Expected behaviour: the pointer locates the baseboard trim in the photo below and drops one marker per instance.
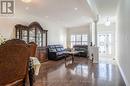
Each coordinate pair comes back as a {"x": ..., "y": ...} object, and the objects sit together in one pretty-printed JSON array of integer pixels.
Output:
[{"x": 122, "y": 73}]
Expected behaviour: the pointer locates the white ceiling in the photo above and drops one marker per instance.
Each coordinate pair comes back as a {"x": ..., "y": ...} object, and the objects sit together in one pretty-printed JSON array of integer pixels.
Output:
[
  {"x": 63, "y": 11},
  {"x": 106, "y": 8}
]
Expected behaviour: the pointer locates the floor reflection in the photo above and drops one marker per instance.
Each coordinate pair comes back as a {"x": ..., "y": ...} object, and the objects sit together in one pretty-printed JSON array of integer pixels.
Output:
[
  {"x": 80, "y": 73},
  {"x": 105, "y": 71}
]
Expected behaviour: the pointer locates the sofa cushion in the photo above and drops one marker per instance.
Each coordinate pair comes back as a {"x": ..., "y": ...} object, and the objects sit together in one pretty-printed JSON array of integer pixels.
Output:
[
  {"x": 83, "y": 49},
  {"x": 76, "y": 48},
  {"x": 59, "y": 53},
  {"x": 58, "y": 49},
  {"x": 62, "y": 49},
  {"x": 52, "y": 50}
]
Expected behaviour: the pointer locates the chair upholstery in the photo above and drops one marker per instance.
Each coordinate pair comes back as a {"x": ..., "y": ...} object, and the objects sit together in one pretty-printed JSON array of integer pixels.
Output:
[
  {"x": 14, "y": 57},
  {"x": 32, "y": 50}
]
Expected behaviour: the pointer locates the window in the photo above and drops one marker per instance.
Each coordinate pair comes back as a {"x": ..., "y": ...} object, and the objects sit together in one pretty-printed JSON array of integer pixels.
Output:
[
  {"x": 84, "y": 39},
  {"x": 79, "y": 39}
]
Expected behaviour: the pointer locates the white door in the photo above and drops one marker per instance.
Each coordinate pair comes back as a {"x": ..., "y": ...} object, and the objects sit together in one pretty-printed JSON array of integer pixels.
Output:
[{"x": 104, "y": 44}]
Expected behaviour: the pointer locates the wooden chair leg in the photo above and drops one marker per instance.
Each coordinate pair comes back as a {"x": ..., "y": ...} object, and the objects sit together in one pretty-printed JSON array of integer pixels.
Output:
[
  {"x": 31, "y": 77},
  {"x": 24, "y": 82}
]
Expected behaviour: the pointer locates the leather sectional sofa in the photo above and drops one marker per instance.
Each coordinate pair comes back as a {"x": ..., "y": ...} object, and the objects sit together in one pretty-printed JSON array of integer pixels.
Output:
[
  {"x": 56, "y": 52},
  {"x": 82, "y": 49}
]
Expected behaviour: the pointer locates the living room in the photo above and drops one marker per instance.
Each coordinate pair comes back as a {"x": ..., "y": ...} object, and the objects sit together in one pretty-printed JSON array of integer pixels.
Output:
[{"x": 74, "y": 42}]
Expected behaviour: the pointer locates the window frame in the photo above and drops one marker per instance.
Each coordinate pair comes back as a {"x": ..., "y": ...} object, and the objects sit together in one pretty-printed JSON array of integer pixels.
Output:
[{"x": 76, "y": 41}]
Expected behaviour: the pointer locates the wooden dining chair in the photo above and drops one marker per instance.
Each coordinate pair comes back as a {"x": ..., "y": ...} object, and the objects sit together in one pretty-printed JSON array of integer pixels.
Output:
[
  {"x": 14, "y": 58},
  {"x": 32, "y": 48}
]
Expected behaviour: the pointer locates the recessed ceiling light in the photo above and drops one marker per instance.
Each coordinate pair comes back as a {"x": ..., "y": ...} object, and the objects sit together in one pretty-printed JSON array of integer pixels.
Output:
[
  {"x": 75, "y": 8},
  {"x": 108, "y": 22},
  {"x": 27, "y": 1},
  {"x": 46, "y": 16},
  {"x": 27, "y": 8}
]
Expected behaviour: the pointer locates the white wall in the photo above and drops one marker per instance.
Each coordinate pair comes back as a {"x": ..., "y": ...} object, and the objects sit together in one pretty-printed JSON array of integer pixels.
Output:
[
  {"x": 123, "y": 39},
  {"x": 78, "y": 30},
  {"x": 56, "y": 33},
  {"x": 7, "y": 29}
]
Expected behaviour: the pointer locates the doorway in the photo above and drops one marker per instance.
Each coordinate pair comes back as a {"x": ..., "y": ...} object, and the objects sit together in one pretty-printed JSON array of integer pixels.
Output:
[{"x": 105, "y": 44}]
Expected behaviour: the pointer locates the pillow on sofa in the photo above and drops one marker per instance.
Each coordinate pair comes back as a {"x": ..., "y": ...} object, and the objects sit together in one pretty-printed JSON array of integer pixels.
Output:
[
  {"x": 77, "y": 48},
  {"x": 62, "y": 49},
  {"x": 58, "y": 49},
  {"x": 82, "y": 49},
  {"x": 52, "y": 50}
]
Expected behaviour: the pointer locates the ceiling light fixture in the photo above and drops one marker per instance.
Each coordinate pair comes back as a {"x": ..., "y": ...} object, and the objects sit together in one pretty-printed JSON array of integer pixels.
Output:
[
  {"x": 46, "y": 16},
  {"x": 75, "y": 9},
  {"x": 107, "y": 23},
  {"x": 26, "y": 8},
  {"x": 27, "y": 1}
]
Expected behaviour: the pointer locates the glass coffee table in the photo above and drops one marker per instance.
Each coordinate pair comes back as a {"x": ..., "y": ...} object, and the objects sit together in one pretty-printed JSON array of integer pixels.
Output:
[{"x": 72, "y": 53}]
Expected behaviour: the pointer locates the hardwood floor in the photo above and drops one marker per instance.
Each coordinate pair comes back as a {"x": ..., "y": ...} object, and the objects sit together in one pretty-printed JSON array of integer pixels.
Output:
[{"x": 81, "y": 73}]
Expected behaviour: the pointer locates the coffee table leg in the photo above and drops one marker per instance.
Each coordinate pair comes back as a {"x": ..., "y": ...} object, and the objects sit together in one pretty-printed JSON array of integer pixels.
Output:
[
  {"x": 65, "y": 58},
  {"x": 72, "y": 58},
  {"x": 31, "y": 77},
  {"x": 65, "y": 61}
]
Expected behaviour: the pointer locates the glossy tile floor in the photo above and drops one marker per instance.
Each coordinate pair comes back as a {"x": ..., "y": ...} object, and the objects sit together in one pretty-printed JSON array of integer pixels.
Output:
[{"x": 80, "y": 73}]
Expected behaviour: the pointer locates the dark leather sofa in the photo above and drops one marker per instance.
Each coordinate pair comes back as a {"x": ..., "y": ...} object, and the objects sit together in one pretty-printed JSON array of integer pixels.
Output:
[
  {"x": 82, "y": 49},
  {"x": 56, "y": 52}
]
